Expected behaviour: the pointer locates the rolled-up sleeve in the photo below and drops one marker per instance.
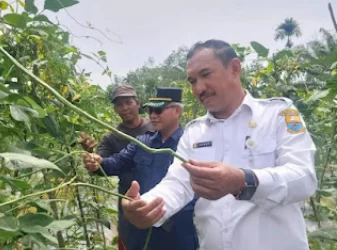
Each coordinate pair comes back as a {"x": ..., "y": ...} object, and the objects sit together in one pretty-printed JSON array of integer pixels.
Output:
[
  {"x": 175, "y": 187},
  {"x": 293, "y": 179}
]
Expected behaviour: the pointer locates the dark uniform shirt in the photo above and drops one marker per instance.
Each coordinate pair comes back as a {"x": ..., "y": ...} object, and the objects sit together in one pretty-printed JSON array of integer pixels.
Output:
[
  {"x": 149, "y": 169},
  {"x": 112, "y": 143}
]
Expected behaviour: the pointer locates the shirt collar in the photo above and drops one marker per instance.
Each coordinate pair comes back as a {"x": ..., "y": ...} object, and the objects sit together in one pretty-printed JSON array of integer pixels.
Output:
[{"x": 247, "y": 103}]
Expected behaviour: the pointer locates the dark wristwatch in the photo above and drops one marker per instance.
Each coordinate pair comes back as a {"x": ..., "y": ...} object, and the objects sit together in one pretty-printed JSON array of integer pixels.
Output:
[{"x": 249, "y": 189}]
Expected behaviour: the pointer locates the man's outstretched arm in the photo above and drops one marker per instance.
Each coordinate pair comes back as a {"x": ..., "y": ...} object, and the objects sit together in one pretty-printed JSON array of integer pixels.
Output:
[
  {"x": 112, "y": 165},
  {"x": 165, "y": 199}
]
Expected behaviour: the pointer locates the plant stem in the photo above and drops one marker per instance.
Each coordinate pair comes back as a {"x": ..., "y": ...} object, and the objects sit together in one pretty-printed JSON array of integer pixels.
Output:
[
  {"x": 28, "y": 174},
  {"x": 99, "y": 188},
  {"x": 317, "y": 216},
  {"x": 147, "y": 241},
  {"x": 68, "y": 155},
  {"x": 103, "y": 235},
  {"x": 88, "y": 116},
  {"x": 332, "y": 16},
  {"x": 326, "y": 165},
  {"x": 38, "y": 193},
  {"x": 80, "y": 206},
  {"x": 54, "y": 207},
  {"x": 328, "y": 154}
]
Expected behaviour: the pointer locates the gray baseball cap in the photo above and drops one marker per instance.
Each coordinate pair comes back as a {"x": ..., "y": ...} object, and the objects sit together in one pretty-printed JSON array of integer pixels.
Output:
[{"x": 124, "y": 90}]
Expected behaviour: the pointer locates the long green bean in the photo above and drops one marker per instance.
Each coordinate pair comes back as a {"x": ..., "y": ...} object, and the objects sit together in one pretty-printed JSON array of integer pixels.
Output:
[{"x": 82, "y": 112}]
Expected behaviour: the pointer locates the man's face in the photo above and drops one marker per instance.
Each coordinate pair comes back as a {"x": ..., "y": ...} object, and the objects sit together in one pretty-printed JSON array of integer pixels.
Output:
[
  {"x": 213, "y": 83},
  {"x": 127, "y": 108},
  {"x": 164, "y": 118}
]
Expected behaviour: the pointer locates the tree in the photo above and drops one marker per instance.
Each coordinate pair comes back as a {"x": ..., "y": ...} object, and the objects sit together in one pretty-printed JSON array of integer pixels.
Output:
[
  {"x": 288, "y": 29},
  {"x": 148, "y": 77}
]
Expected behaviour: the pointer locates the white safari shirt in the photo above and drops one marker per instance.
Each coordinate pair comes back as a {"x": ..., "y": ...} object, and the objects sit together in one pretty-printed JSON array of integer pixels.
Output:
[{"x": 268, "y": 136}]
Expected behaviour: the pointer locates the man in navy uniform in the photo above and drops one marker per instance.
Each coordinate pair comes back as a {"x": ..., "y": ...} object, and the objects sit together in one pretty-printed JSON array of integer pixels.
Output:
[{"x": 178, "y": 233}]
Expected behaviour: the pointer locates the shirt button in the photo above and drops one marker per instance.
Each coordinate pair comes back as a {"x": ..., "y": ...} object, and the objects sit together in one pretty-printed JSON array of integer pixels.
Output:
[{"x": 225, "y": 230}]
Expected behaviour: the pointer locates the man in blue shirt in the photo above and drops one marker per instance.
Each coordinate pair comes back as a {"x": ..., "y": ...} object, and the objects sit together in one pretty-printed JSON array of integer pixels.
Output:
[{"x": 179, "y": 232}]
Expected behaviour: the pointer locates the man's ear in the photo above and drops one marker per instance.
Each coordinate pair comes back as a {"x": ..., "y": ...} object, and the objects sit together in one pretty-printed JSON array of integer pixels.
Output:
[
  {"x": 235, "y": 65},
  {"x": 140, "y": 109},
  {"x": 179, "y": 110}
]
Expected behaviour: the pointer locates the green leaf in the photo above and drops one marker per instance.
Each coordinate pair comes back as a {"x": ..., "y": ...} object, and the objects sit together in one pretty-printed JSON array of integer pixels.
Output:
[
  {"x": 14, "y": 149},
  {"x": 14, "y": 182},
  {"x": 41, "y": 18},
  {"x": 60, "y": 225},
  {"x": 111, "y": 211},
  {"x": 11, "y": 8},
  {"x": 21, "y": 161},
  {"x": 283, "y": 53},
  {"x": 39, "y": 230},
  {"x": 16, "y": 20},
  {"x": 326, "y": 192},
  {"x": 101, "y": 53},
  {"x": 3, "y": 5},
  {"x": 56, "y": 5},
  {"x": 8, "y": 227},
  {"x": 333, "y": 66},
  {"x": 37, "y": 108},
  {"x": 8, "y": 223},
  {"x": 5, "y": 235},
  {"x": 3, "y": 88},
  {"x": 65, "y": 39},
  {"x": 3, "y": 94},
  {"x": 36, "y": 239},
  {"x": 318, "y": 94},
  {"x": 30, "y": 6},
  {"x": 11, "y": 246},
  {"x": 44, "y": 204},
  {"x": 327, "y": 234},
  {"x": 260, "y": 49},
  {"x": 51, "y": 125},
  {"x": 19, "y": 113},
  {"x": 270, "y": 67},
  {"x": 27, "y": 105},
  {"x": 35, "y": 219}
]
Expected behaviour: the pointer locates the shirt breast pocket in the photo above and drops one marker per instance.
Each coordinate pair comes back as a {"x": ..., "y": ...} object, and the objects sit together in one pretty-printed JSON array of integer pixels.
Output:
[
  {"x": 144, "y": 162},
  {"x": 144, "y": 169},
  {"x": 261, "y": 154},
  {"x": 143, "y": 159}
]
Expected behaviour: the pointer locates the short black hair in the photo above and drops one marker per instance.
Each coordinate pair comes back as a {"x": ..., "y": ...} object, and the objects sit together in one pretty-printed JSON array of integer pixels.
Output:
[{"x": 222, "y": 50}]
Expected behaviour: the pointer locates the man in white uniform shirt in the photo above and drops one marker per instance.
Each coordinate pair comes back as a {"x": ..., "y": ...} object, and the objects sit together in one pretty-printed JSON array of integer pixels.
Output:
[{"x": 251, "y": 163}]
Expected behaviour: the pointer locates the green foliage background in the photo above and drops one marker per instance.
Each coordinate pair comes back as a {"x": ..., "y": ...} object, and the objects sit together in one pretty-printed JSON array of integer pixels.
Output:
[{"x": 38, "y": 134}]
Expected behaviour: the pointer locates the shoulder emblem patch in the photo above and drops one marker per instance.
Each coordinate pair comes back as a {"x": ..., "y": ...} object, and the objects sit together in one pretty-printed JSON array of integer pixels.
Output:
[{"x": 293, "y": 121}]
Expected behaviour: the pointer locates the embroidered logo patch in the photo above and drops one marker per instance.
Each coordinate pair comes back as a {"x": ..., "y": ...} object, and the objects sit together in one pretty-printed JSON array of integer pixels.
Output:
[
  {"x": 293, "y": 121},
  {"x": 202, "y": 144}
]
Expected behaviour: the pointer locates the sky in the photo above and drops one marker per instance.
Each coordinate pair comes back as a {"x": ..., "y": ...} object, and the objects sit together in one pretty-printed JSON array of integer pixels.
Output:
[{"x": 153, "y": 28}]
